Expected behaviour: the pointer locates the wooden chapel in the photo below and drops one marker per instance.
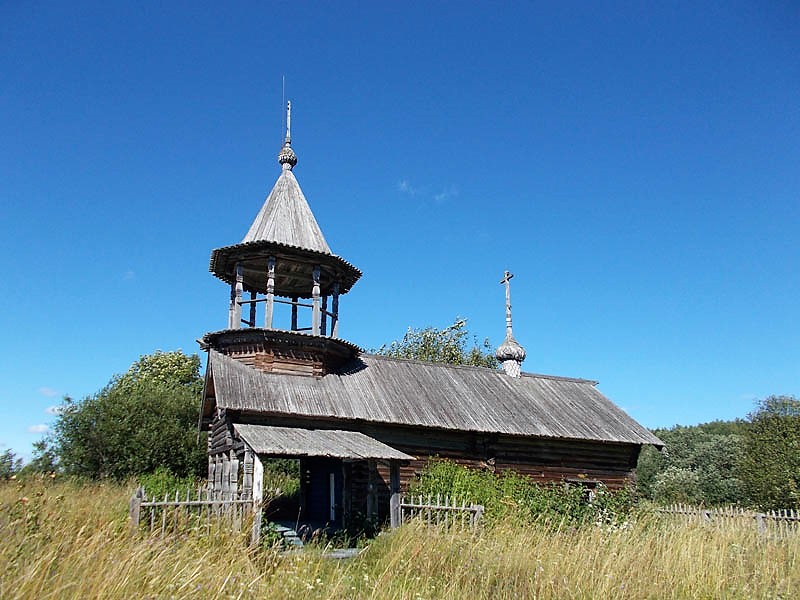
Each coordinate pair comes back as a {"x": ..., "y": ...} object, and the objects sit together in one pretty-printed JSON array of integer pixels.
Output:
[{"x": 363, "y": 426}]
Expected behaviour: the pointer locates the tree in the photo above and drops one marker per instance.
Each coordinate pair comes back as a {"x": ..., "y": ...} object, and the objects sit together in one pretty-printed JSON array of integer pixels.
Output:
[
  {"x": 700, "y": 465},
  {"x": 143, "y": 419},
  {"x": 9, "y": 464},
  {"x": 770, "y": 465},
  {"x": 44, "y": 459},
  {"x": 447, "y": 345}
]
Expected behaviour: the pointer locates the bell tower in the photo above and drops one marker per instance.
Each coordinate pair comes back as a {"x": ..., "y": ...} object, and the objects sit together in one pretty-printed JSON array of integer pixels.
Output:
[{"x": 283, "y": 314}]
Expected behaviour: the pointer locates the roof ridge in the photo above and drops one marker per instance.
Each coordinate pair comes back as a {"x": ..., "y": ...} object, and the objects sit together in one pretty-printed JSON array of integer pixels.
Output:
[{"x": 477, "y": 367}]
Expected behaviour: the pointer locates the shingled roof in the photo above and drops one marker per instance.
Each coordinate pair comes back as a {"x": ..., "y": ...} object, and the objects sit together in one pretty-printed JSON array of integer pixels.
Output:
[
  {"x": 286, "y": 218},
  {"x": 420, "y": 394}
]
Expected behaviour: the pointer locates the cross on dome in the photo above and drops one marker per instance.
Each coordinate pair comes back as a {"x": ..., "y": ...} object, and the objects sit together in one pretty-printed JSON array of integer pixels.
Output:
[{"x": 510, "y": 353}]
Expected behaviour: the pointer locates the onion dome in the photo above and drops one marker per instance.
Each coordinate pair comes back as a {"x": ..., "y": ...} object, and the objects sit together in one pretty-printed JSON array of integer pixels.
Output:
[
  {"x": 286, "y": 156},
  {"x": 510, "y": 350}
]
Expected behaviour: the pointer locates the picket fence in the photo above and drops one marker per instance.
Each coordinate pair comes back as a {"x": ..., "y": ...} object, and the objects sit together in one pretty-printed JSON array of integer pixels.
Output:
[
  {"x": 439, "y": 511},
  {"x": 196, "y": 509},
  {"x": 775, "y": 521}
]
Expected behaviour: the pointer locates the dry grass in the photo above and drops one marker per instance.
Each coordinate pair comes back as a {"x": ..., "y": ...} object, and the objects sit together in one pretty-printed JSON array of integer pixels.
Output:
[{"x": 65, "y": 540}]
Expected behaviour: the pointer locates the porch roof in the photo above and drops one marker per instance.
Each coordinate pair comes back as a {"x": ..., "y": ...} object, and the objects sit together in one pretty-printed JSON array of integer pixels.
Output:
[{"x": 333, "y": 443}]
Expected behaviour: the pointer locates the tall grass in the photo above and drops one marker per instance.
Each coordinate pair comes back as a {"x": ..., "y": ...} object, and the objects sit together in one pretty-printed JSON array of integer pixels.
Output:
[{"x": 71, "y": 540}]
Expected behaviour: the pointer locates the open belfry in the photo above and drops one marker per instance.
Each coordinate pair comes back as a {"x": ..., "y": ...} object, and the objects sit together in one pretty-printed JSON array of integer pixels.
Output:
[{"x": 280, "y": 383}]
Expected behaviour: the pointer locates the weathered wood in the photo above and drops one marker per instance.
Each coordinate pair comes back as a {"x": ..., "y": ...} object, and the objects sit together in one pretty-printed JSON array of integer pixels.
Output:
[
  {"x": 294, "y": 313},
  {"x": 270, "y": 307},
  {"x": 315, "y": 295},
  {"x": 233, "y": 484},
  {"x": 258, "y": 498},
  {"x": 252, "y": 320},
  {"x": 395, "y": 511},
  {"x": 135, "y": 508},
  {"x": 237, "y": 290}
]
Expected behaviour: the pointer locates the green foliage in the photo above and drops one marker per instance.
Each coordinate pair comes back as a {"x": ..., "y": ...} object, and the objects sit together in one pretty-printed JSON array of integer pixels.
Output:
[
  {"x": 282, "y": 474},
  {"x": 699, "y": 465},
  {"x": 171, "y": 369},
  {"x": 510, "y": 495},
  {"x": 142, "y": 420},
  {"x": 163, "y": 481},
  {"x": 44, "y": 460},
  {"x": 770, "y": 465},
  {"x": 447, "y": 345},
  {"x": 9, "y": 464}
]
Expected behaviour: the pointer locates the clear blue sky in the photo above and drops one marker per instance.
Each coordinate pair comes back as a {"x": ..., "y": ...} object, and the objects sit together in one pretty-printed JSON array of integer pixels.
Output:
[{"x": 636, "y": 167}]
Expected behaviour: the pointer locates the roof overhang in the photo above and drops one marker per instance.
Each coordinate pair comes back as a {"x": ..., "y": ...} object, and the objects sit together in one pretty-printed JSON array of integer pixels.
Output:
[
  {"x": 293, "y": 269},
  {"x": 329, "y": 443}
]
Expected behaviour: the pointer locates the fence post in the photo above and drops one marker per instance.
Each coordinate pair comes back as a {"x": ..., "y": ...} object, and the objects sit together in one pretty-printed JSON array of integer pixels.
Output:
[
  {"x": 135, "y": 508},
  {"x": 762, "y": 526},
  {"x": 394, "y": 510}
]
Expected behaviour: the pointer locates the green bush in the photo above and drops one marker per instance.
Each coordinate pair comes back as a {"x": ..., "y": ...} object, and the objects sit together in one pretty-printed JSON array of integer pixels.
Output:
[
  {"x": 510, "y": 495},
  {"x": 162, "y": 482}
]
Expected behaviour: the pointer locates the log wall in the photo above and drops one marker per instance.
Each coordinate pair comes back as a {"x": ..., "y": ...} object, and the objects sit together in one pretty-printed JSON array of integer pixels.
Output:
[{"x": 543, "y": 459}]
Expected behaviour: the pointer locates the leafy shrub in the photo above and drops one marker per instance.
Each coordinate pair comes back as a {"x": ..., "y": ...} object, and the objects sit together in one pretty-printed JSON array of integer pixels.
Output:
[
  {"x": 163, "y": 482},
  {"x": 510, "y": 495}
]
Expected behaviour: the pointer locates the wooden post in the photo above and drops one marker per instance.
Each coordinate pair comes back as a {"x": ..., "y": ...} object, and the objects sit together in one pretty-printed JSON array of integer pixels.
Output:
[
  {"x": 135, "y": 509},
  {"x": 395, "y": 515},
  {"x": 247, "y": 475},
  {"x": 270, "y": 292},
  {"x": 258, "y": 496},
  {"x": 394, "y": 476},
  {"x": 217, "y": 477},
  {"x": 233, "y": 476},
  {"x": 294, "y": 313},
  {"x": 235, "y": 313},
  {"x": 252, "y": 319},
  {"x": 324, "y": 326},
  {"x": 335, "y": 311},
  {"x": 371, "y": 471},
  {"x": 315, "y": 312},
  {"x": 394, "y": 511},
  {"x": 226, "y": 477},
  {"x": 232, "y": 307}
]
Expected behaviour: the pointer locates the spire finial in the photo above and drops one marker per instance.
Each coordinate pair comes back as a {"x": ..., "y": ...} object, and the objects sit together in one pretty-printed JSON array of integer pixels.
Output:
[
  {"x": 286, "y": 156},
  {"x": 507, "y": 281},
  {"x": 289, "y": 122},
  {"x": 510, "y": 353}
]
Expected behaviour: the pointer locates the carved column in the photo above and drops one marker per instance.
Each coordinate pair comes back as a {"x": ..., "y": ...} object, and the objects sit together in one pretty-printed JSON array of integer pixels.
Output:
[
  {"x": 270, "y": 292},
  {"x": 315, "y": 315},
  {"x": 247, "y": 475},
  {"x": 235, "y": 311}
]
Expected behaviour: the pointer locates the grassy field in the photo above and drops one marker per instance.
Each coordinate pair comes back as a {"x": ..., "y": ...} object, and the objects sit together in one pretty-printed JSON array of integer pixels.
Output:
[{"x": 67, "y": 540}]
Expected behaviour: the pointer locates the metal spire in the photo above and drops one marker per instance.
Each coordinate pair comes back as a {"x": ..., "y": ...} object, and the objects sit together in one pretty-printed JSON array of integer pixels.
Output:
[
  {"x": 506, "y": 280},
  {"x": 286, "y": 156},
  {"x": 288, "y": 122}
]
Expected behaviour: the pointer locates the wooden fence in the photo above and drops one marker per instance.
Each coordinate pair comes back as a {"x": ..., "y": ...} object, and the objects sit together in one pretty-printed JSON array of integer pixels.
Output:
[
  {"x": 780, "y": 522},
  {"x": 438, "y": 511},
  {"x": 194, "y": 509}
]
